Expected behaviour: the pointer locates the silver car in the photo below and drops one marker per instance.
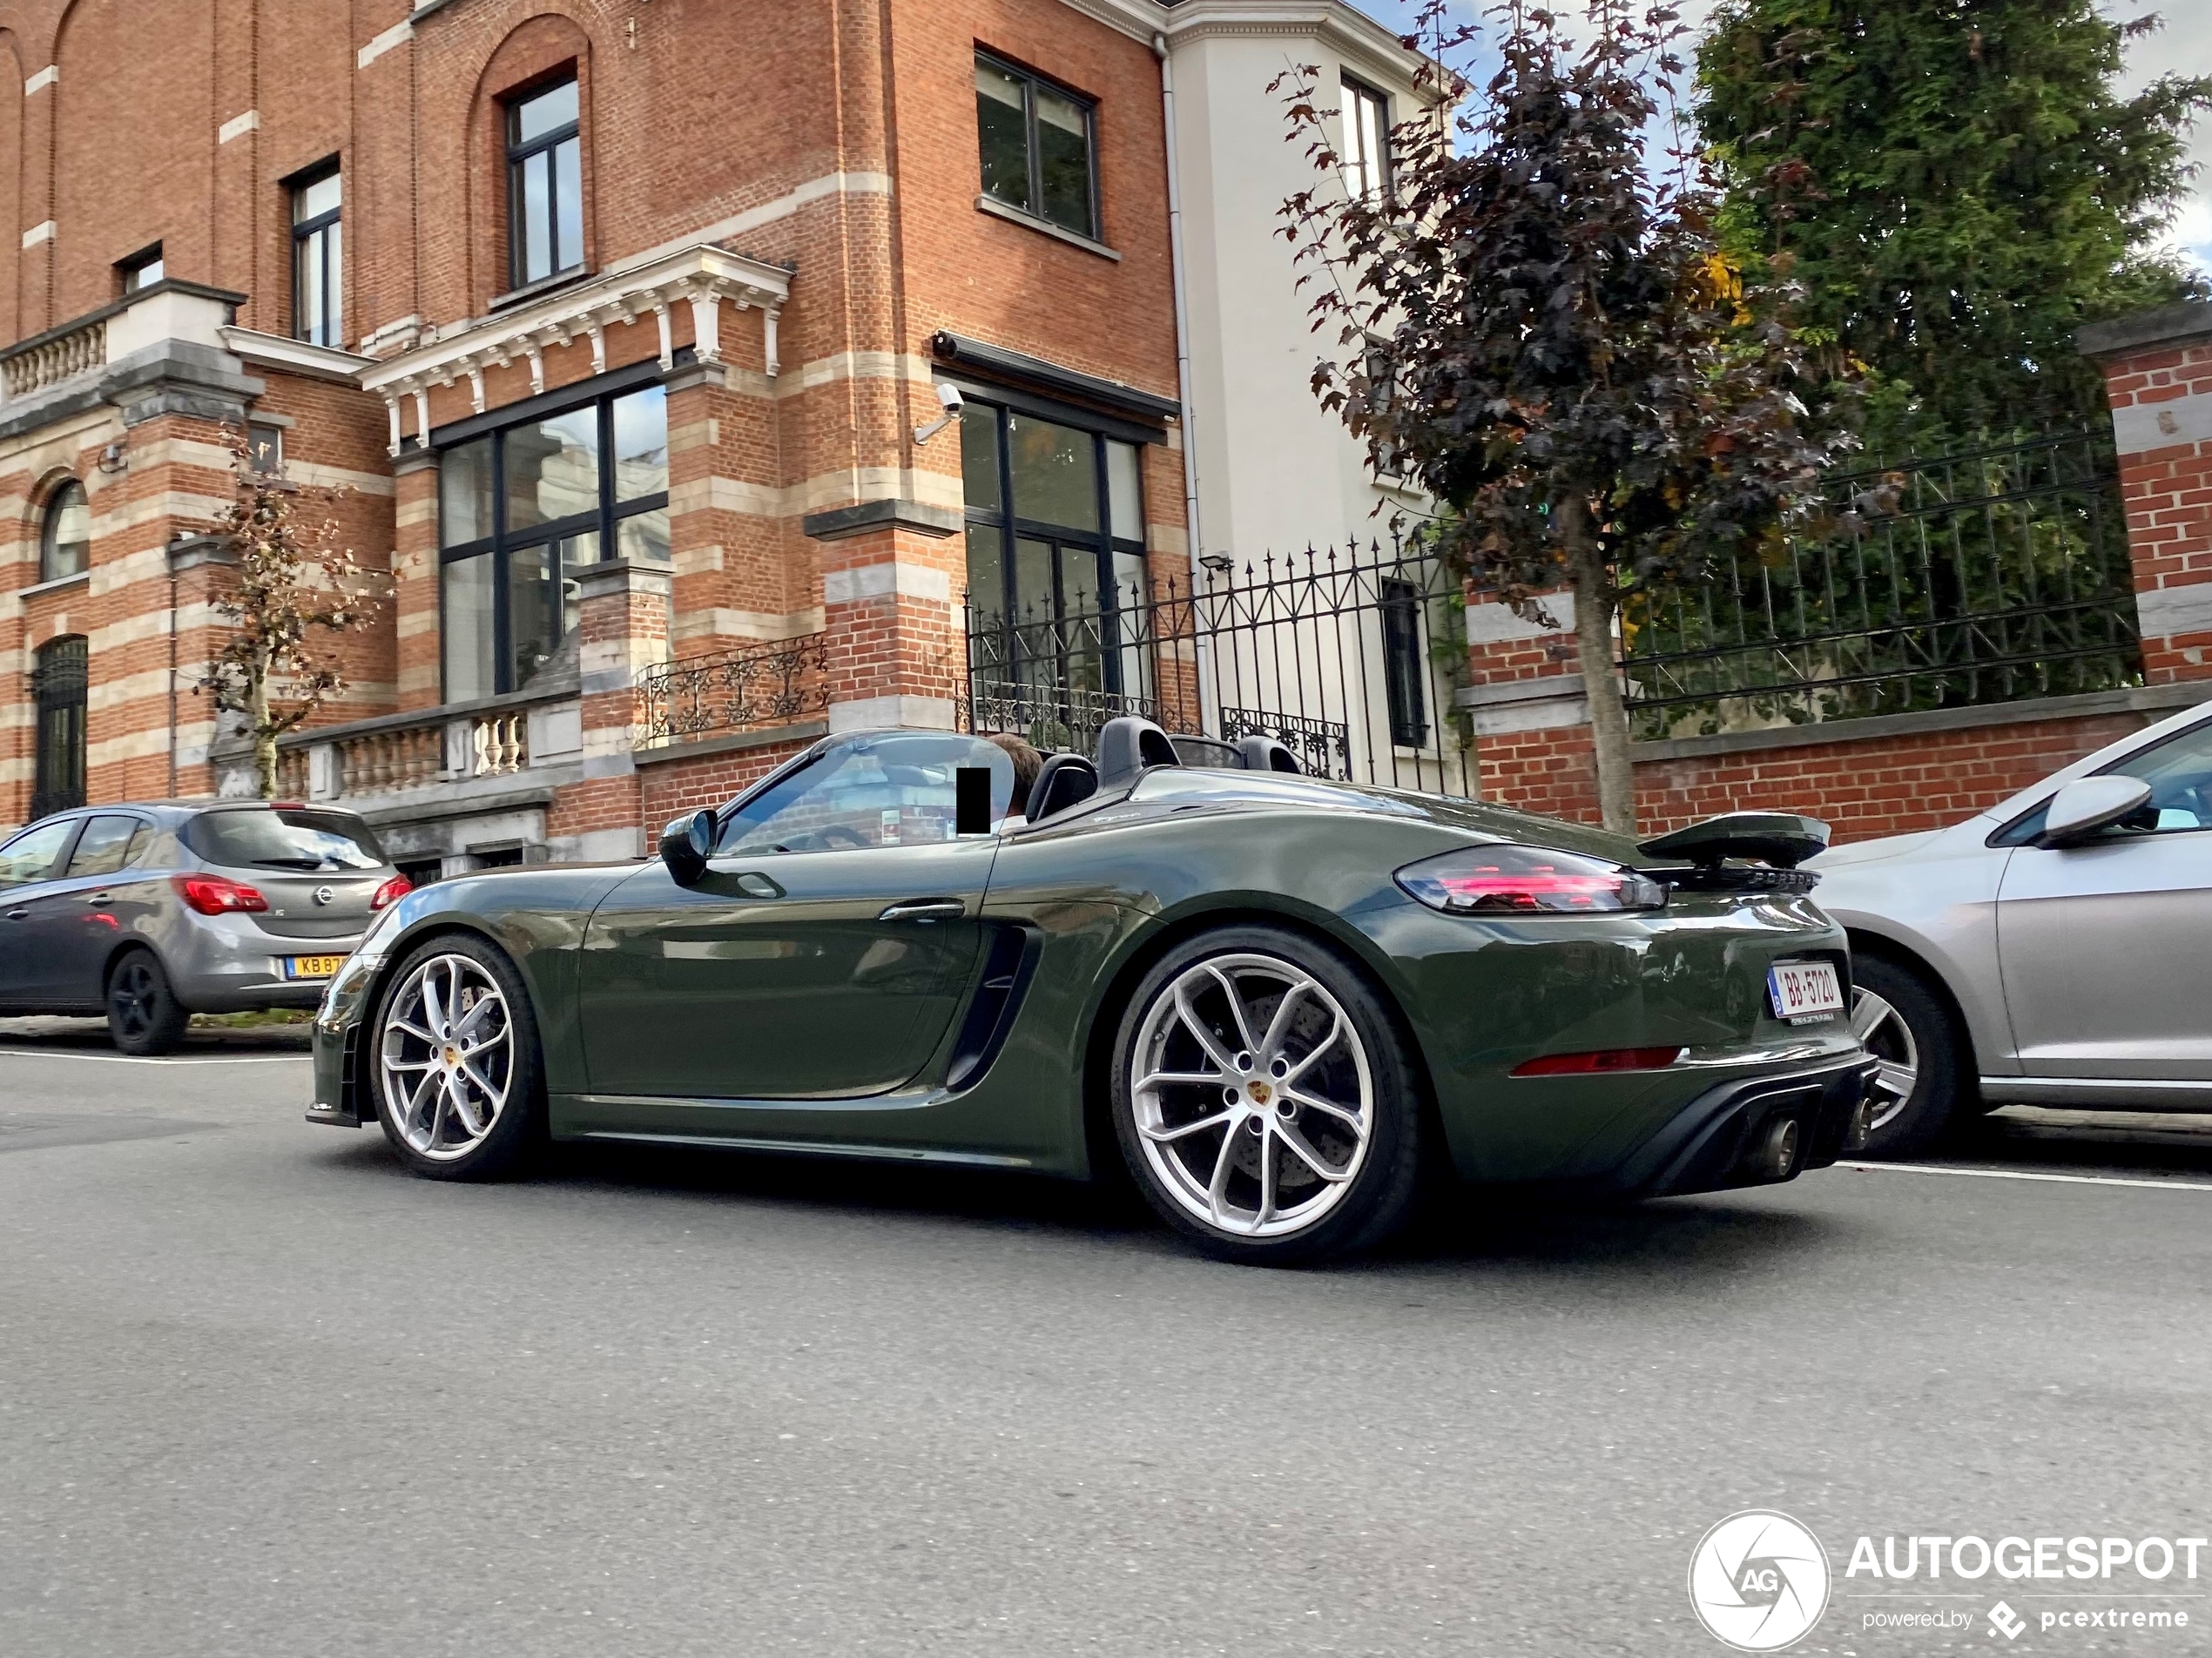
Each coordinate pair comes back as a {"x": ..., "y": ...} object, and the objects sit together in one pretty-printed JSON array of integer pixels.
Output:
[
  {"x": 153, "y": 912},
  {"x": 2056, "y": 950}
]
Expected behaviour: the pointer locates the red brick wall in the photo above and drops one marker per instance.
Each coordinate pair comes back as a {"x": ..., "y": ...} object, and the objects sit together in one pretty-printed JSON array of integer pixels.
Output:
[
  {"x": 670, "y": 788},
  {"x": 2167, "y": 482}
]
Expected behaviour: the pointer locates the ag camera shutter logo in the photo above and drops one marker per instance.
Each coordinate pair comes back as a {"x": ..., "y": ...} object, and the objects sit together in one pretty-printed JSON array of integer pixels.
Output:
[{"x": 1758, "y": 1581}]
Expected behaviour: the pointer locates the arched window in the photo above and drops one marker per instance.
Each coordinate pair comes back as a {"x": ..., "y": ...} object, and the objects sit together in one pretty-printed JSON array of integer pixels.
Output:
[
  {"x": 65, "y": 543},
  {"x": 57, "y": 691}
]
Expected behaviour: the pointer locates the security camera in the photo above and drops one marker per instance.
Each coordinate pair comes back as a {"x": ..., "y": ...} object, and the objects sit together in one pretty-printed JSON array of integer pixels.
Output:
[{"x": 949, "y": 396}]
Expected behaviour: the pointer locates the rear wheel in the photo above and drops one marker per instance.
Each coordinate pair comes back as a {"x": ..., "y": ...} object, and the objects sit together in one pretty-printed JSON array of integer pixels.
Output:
[
  {"x": 1262, "y": 1100},
  {"x": 144, "y": 1017},
  {"x": 455, "y": 1063},
  {"x": 1910, "y": 1033}
]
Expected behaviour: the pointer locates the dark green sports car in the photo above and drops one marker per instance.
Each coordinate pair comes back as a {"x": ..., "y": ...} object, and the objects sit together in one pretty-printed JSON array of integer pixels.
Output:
[{"x": 1278, "y": 1000}]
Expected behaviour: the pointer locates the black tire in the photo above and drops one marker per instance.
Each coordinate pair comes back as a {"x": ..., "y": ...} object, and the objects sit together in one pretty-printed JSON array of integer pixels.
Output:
[
  {"x": 516, "y": 1131},
  {"x": 1943, "y": 1090},
  {"x": 144, "y": 1017},
  {"x": 1378, "y": 1196}
]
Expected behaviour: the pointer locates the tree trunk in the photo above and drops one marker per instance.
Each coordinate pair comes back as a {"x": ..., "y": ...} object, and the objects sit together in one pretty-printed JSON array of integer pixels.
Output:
[
  {"x": 1616, "y": 786},
  {"x": 265, "y": 747}
]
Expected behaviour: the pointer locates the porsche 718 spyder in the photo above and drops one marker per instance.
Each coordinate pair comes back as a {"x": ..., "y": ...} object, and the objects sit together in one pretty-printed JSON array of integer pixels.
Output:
[{"x": 1278, "y": 1001}]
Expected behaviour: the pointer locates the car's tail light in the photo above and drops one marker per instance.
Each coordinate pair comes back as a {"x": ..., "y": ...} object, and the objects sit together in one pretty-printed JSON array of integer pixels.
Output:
[
  {"x": 1527, "y": 880},
  {"x": 1602, "y": 1060},
  {"x": 391, "y": 892},
  {"x": 214, "y": 895}
]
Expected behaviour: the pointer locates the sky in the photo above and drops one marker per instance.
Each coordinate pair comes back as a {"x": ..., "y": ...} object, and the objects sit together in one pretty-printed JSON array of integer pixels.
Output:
[{"x": 2183, "y": 46}]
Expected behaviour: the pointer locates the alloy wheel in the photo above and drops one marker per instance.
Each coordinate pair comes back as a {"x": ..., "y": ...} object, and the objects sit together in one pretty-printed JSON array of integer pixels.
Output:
[
  {"x": 1252, "y": 1094},
  {"x": 1883, "y": 1031},
  {"x": 131, "y": 997},
  {"x": 446, "y": 1057}
]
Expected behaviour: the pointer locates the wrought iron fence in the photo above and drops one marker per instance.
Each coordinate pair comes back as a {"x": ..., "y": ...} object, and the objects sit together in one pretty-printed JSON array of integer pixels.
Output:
[
  {"x": 1349, "y": 657},
  {"x": 770, "y": 683},
  {"x": 1990, "y": 575}
]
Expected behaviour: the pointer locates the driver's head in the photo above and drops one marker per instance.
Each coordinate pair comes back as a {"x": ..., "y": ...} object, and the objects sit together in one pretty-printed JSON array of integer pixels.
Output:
[{"x": 1027, "y": 764}]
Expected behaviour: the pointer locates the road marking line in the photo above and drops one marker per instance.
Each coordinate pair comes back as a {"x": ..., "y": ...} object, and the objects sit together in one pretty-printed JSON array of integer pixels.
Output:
[
  {"x": 166, "y": 1059},
  {"x": 2022, "y": 1174}
]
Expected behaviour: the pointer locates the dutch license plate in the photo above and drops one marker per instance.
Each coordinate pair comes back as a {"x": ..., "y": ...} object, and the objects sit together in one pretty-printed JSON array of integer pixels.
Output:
[
  {"x": 1805, "y": 992},
  {"x": 313, "y": 966}
]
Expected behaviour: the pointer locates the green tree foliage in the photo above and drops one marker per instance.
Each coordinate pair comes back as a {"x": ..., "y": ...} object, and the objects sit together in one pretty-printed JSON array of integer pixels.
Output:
[
  {"x": 1538, "y": 325},
  {"x": 1957, "y": 186}
]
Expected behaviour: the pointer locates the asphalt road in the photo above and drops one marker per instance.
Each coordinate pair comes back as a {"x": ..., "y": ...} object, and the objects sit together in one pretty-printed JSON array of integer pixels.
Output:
[{"x": 260, "y": 1393}]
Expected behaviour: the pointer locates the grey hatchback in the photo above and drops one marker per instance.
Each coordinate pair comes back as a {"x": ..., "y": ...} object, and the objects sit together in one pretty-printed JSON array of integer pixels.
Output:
[{"x": 153, "y": 911}]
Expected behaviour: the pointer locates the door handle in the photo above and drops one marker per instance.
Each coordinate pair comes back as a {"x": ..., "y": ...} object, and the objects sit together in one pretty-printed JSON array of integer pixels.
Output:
[
  {"x": 19, "y": 915},
  {"x": 101, "y": 899},
  {"x": 925, "y": 909}
]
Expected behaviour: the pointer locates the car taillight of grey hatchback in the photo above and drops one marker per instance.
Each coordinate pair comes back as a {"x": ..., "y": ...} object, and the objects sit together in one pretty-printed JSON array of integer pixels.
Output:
[{"x": 1527, "y": 880}]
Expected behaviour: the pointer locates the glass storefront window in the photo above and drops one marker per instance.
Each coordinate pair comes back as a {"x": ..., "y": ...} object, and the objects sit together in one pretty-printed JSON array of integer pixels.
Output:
[
  {"x": 1055, "y": 472},
  {"x": 468, "y": 627},
  {"x": 641, "y": 444}
]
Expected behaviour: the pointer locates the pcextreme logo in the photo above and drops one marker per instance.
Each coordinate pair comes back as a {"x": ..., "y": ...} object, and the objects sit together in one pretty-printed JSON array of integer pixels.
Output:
[{"x": 1758, "y": 1581}]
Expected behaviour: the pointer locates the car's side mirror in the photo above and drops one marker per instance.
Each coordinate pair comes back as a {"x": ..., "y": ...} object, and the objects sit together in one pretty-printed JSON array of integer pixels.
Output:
[
  {"x": 2089, "y": 804},
  {"x": 687, "y": 843}
]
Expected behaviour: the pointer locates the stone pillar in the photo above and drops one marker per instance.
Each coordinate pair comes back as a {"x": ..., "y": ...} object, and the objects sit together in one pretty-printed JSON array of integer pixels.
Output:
[
  {"x": 2158, "y": 380},
  {"x": 414, "y": 581},
  {"x": 623, "y": 629},
  {"x": 892, "y": 575}
]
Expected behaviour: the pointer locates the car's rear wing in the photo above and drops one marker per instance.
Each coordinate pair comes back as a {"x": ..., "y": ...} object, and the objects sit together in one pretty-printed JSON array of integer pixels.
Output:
[{"x": 1739, "y": 852}]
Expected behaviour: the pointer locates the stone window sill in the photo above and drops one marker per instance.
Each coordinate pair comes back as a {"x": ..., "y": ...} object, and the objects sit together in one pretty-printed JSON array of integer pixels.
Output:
[
  {"x": 1029, "y": 221},
  {"x": 60, "y": 583},
  {"x": 539, "y": 289}
]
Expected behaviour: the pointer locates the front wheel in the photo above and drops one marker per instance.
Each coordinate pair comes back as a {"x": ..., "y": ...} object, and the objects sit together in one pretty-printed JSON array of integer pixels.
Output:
[
  {"x": 454, "y": 1059},
  {"x": 1264, "y": 1102},
  {"x": 1912, "y": 1037}
]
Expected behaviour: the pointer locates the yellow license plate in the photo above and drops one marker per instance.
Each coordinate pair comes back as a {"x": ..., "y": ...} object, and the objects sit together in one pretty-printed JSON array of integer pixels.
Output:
[{"x": 313, "y": 966}]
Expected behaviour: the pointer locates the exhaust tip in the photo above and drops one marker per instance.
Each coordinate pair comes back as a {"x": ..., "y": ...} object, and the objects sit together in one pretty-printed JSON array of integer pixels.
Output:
[
  {"x": 1777, "y": 1154},
  {"x": 1861, "y": 1128}
]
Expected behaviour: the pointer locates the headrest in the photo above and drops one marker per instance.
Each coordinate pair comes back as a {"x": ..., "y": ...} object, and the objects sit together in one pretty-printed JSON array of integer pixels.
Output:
[
  {"x": 1066, "y": 779},
  {"x": 1129, "y": 745},
  {"x": 1266, "y": 754}
]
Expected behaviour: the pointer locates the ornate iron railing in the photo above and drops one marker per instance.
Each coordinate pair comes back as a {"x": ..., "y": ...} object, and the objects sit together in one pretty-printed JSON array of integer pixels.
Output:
[
  {"x": 773, "y": 682},
  {"x": 1350, "y": 658},
  {"x": 1990, "y": 575}
]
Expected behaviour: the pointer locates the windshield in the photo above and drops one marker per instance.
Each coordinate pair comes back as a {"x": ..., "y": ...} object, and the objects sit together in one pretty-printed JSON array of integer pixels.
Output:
[
  {"x": 287, "y": 838},
  {"x": 876, "y": 789}
]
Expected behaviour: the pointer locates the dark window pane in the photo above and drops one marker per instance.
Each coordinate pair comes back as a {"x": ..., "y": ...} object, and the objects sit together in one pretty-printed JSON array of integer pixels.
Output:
[
  {"x": 333, "y": 305},
  {"x": 313, "y": 323},
  {"x": 68, "y": 535},
  {"x": 979, "y": 456},
  {"x": 552, "y": 468},
  {"x": 103, "y": 847},
  {"x": 568, "y": 203},
  {"x": 1003, "y": 134},
  {"x": 30, "y": 855},
  {"x": 542, "y": 604},
  {"x": 1055, "y": 473},
  {"x": 464, "y": 494},
  {"x": 986, "y": 573},
  {"x": 1125, "y": 492},
  {"x": 1033, "y": 599},
  {"x": 547, "y": 112},
  {"x": 1064, "y": 157},
  {"x": 471, "y": 645},
  {"x": 641, "y": 444}
]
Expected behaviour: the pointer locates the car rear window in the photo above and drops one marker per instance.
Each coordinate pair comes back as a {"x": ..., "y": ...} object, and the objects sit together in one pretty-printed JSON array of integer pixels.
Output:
[{"x": 284, "y": 837}]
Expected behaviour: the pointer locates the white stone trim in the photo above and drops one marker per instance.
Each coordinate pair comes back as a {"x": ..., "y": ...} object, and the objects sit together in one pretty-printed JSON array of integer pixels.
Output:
[
  {"x": 42, "y": 232},
  {"x": 747, "y": 624},
  {"x": 2143, "y": 427},
  {"x": 2170, "y": 612},
  {"x": 899, "y": 576},
  {"x": 238, "y": 126},
  {"x": 295, "y": 356},
  {"x": 830, "y": 184},
  {"x": 45, "y": 78},
  {"x": 926, "y": 713},
  {"x": 398, "y": 35}
]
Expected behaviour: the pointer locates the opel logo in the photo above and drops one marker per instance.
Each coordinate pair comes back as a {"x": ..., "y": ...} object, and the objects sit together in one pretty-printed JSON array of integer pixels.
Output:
[{"x": 324, "y": 895}]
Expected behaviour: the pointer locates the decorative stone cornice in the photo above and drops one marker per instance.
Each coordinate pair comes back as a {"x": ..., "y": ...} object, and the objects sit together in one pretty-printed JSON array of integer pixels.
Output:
[{"x": 704, "y": 277}]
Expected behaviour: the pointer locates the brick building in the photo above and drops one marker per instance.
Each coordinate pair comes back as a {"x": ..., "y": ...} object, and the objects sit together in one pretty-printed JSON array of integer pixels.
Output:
[{"x": 623, "y": 325}]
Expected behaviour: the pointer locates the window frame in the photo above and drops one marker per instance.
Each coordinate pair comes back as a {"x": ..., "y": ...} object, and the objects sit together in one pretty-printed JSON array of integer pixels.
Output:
[
  {"x": 328, "y": 229},
  {"x": 604, "y": 520},
  {"x": 130, "y": 270},
  {"x": 49, "y": 524},
  {"x": 1107, "y": 544},
  {"x": 520, "y": 152},
  {"x": 1352, "y": 95},
  {"x": 1034, "y": 207}
]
